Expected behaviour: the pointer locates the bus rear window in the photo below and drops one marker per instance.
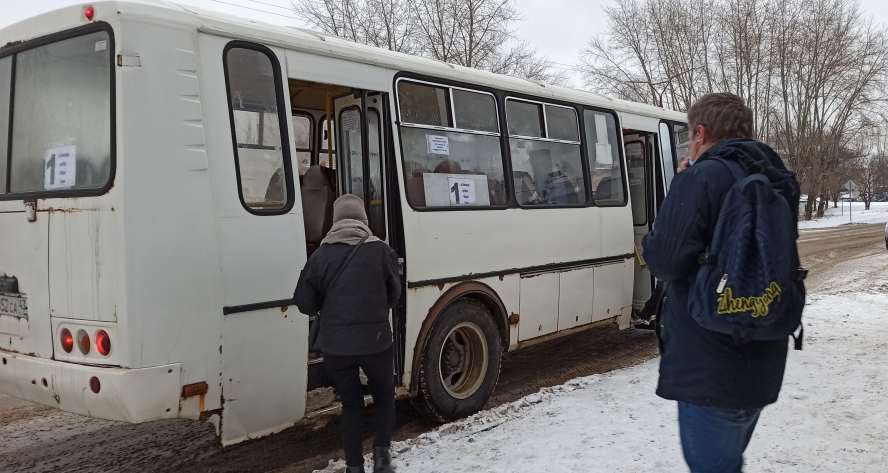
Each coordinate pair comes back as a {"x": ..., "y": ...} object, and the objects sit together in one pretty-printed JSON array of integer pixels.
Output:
[{"x": 61, "y": 115}]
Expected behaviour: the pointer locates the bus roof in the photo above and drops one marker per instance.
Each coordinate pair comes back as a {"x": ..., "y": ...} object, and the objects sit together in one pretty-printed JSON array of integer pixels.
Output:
[{"x": 299, "y": 39}]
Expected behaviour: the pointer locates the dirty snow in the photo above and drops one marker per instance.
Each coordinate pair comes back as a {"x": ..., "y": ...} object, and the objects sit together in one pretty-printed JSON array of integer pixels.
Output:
[
  {"x": 832, "y": 415},
  {"x": 853, "y": 212}
]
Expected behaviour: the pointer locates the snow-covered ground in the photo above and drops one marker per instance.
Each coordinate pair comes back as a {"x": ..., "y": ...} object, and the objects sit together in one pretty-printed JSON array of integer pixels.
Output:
[
  {"x": 853, "y": 212},
  {"x": 832, "y": 415}
]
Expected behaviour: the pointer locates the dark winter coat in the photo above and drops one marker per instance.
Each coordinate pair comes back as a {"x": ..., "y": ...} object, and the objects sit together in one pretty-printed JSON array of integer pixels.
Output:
[
  {"x": 697, "y": 365},
  {"x": 354, "y": 315}
]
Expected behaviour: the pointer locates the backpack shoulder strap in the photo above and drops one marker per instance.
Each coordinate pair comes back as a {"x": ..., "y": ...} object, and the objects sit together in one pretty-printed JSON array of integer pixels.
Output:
[{"x": 735, "y": 168}]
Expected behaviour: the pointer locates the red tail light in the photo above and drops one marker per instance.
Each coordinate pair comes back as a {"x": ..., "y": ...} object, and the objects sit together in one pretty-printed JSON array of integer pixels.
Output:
[
  {"x": 83, "y": 341},
  {"x": 95, "y": 385},
  {"x": 67, "y": 340},
  {"x": 89, "y": 12},
  {"x": 103, "y": 343}
]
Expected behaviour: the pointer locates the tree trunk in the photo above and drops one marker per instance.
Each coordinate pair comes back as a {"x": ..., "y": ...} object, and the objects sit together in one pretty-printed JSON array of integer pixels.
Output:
[{"x": 866, "y": 202}]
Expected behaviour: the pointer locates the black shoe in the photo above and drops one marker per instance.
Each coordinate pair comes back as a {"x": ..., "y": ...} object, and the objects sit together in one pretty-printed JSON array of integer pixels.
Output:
[
  {"x": 354, "y": 469},
  {"x": 382, "y": 460}
]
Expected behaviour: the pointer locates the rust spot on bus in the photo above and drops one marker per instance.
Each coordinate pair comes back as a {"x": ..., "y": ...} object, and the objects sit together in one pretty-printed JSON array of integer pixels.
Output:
[{"x": 195, "y": 389}]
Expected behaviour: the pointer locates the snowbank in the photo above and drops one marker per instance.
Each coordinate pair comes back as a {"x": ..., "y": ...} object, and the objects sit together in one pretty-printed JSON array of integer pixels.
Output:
[
  {"x": 832, "y": 414},
  {"x": 878, "y": 213}
]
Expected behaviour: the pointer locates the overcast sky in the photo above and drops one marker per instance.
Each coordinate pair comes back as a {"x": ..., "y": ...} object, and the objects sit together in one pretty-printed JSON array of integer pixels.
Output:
[{"x": 558, "y": 29}]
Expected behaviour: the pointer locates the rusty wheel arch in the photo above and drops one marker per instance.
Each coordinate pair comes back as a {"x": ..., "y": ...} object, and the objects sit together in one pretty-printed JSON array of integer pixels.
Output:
[{"x": 467, "y": 289}]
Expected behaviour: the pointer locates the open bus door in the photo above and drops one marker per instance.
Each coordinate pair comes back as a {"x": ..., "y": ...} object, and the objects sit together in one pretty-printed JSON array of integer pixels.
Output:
[
  {"x": 261, "y": 237},
  {"x": 650, "y": 161}
]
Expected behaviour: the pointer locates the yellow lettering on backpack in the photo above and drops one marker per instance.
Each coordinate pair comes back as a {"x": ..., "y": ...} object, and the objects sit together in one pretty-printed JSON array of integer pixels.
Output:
[{"x": 758, "y": 306}]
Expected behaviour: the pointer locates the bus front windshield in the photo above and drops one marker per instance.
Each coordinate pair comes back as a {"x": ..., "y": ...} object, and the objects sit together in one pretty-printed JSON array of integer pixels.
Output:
[{"x": 57, "y": 98}]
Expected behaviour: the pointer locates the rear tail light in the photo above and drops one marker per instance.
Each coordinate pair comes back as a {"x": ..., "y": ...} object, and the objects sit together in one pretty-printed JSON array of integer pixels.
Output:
[
  {"x": 67, "y": 340},
  {"x": 83, "y": 341},
  {"x": 103, "y": 343},
  {"x": 95, "y": 385}
]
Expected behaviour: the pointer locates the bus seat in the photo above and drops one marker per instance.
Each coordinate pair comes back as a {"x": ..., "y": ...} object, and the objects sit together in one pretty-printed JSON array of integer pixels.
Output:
[
  {"x": 415, "y": 185},
  {"x": 605, "y": 190},
  {"x": 317, "y": 205}
]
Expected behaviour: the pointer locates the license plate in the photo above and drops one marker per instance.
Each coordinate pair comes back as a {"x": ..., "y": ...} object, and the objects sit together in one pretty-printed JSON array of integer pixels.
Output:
[{"x": 14, "y": 305}]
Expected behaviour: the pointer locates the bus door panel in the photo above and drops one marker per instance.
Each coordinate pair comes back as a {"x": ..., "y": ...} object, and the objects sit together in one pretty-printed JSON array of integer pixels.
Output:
[
  {"x": 668, "y": 157},
  {"x": 639, "y": 193},
  {"x": 261, "y": 237},
  {"x": 361, "y": 143}
]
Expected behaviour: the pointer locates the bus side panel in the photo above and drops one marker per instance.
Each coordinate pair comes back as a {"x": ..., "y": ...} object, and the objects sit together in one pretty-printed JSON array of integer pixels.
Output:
[{"x": 173, "y": 279}]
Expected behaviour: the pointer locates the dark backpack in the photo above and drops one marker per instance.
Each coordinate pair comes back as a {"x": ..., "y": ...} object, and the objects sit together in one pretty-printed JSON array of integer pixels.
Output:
[{"x": 750, "y": 284}]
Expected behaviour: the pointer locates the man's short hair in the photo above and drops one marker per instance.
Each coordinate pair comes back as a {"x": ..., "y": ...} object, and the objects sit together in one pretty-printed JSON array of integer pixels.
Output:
[{"x": 725, "y": 116}]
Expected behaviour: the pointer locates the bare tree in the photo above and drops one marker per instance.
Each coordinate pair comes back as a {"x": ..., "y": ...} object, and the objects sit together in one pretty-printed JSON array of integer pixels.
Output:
[
  {"x": 812, "y": 71},
  {"x": 623, "y": 63},
  {"x": 471, "y": 33},
  {"x": 389, "y": 24}
]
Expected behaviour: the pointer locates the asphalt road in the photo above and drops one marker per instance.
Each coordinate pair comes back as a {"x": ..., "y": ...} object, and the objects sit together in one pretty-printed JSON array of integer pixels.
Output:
[{"x": 42, "y": 439}]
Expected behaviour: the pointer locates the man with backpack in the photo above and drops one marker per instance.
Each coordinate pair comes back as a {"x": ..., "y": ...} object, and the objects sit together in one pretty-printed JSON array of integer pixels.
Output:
[{"x": 724, "y": 247}]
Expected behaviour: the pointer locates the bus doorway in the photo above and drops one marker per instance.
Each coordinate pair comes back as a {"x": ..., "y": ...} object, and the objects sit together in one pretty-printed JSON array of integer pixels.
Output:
[
  {"x": 348, "y": 151},
  {"x": 647, "y": 191}
]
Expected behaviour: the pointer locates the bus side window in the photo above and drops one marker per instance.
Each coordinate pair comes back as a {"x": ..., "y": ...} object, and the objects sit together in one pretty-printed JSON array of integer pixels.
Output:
[
  {"x": 302, "y": 133},
  {"x": 547, "y": 165},
  {"x": 605, "y": 166},
  {"x": 637, "y": 172},
  {"x": 259, "y": 130},
  {"x": 451, "y": 146},
  {"x": 680, "y": 142}
]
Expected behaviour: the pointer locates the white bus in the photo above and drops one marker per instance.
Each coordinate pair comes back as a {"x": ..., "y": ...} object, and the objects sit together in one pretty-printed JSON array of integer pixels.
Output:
[{"x": 165, "y": 172}]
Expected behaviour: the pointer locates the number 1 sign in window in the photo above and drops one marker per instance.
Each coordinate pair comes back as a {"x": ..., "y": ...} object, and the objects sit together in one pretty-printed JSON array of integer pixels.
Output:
[{"x": 462, "y": 191}]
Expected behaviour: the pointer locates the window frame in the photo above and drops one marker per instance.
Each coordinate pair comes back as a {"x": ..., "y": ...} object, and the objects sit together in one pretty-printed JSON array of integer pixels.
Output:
[
  {"x": 545, "y": 120},
  {"x": 448, "y": 84},
  {"x": 621, "y": 155},
  {"x": 453, "y": 128},
  {"x": 339, "y": 135},
  {"x": 500, "y": 97},
  {"x": 382, "y": 173},
  {"x": 645, "y": 184},
  {"x": 580, "y": 143},
  {"x": 14, "y": 50},
  {"x": 282, "y": 112},
  {"x": 311, "y": 138},
  {"x": 311, "y": 134}
]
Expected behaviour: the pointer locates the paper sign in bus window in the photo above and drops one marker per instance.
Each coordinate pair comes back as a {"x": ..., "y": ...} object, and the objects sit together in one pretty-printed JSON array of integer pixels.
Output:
[
  {"x": 438, "y": 144},
  {"x": 462, "y": 191},
  {"x": 60, "y": 168}
]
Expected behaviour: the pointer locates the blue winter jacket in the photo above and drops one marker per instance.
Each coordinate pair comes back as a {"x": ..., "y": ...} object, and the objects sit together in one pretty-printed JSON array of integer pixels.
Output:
[{"x": 697, "y": 365}]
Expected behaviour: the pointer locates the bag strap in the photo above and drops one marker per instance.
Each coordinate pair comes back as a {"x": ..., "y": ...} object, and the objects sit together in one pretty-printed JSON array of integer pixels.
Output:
[
  {"x": 344, "y": 264},
  {"x": 736, "y": 169}
]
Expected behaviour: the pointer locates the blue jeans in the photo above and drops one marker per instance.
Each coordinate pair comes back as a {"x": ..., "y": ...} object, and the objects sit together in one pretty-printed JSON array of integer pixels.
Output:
[{"x": 713, "y": 439}]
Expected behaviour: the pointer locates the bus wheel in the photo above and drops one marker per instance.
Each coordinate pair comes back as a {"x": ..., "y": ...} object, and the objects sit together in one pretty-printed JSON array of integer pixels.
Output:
[{"x": 461, "y": 363}]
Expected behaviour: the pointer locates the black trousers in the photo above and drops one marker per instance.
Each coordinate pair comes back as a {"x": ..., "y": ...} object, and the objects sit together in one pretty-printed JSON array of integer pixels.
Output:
[{"x": 343, "y": 373}]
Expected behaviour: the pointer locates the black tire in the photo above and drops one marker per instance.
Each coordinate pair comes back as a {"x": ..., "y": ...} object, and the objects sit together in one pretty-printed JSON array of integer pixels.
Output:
[{"x": 467, "y": 390}]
